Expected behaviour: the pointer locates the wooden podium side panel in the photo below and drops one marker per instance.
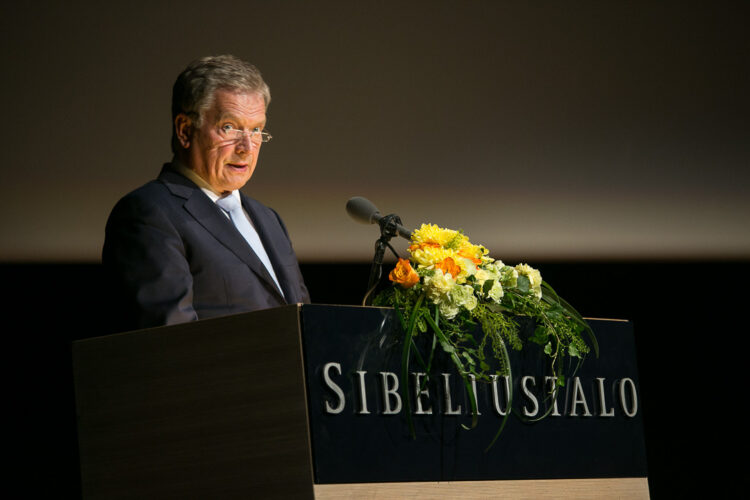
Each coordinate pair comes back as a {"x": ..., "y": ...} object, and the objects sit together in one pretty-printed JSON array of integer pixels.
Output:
[{"x": 212, "y": 409}]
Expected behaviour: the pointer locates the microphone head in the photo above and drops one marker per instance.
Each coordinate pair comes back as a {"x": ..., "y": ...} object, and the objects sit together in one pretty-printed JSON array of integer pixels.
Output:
[{"x": 362, "y": 210}]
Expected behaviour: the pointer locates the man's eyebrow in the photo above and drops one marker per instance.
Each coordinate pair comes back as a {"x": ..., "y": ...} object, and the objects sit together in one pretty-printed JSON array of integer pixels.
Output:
[
  {"x": 229, "y": 116},
  {"x": 226, "y": 115}
]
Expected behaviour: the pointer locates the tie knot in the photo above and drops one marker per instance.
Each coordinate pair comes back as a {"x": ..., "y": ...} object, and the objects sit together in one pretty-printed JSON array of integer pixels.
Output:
[{"x": 229, "y": 203}]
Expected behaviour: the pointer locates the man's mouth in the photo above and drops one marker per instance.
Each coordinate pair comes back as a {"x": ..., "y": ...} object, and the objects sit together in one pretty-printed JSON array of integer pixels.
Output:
[{"x": 237, "y": 166}]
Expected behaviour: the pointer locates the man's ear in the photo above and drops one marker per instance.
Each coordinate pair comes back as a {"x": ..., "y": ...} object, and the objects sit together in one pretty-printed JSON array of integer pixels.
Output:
[{"x": 183, "y": 128}]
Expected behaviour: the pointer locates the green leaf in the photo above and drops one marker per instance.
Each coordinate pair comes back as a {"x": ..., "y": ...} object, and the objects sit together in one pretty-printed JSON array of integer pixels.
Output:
[
  {"x": 548, "y": 348},
  {"x": 523, "y": 283},
  {"x": 541, "y": 335},
  {"x": 468, "y": 357},
  {"x": 416, "y": 312},
  {"x": 573, "y": 351},
  {"x": 468, "y": 338}
]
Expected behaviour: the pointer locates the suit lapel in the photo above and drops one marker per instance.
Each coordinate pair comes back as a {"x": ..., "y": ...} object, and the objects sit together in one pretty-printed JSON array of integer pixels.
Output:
[
  {"x": 211, "y": 217},
  {"x": 263, "y": 226}
]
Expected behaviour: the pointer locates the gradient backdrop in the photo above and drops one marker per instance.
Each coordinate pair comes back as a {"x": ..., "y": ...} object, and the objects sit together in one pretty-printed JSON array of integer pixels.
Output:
[
  {"x": 606, "y": 143},
  {"x": 542, "y": 129}
]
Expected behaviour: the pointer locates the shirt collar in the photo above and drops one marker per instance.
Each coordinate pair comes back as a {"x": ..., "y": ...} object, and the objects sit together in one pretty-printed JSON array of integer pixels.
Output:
[{"x": 200, "y": 182}]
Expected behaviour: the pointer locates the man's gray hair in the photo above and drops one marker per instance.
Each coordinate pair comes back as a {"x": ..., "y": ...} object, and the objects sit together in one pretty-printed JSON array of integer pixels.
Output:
[{"x": 193, "y": 91}]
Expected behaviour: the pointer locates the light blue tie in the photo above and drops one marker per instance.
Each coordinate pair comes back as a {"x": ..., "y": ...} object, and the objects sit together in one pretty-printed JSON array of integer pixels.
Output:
[{"x": 232, "y": 206}]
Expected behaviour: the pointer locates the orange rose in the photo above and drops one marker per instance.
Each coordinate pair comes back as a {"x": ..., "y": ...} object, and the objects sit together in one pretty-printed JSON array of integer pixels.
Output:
[
  {"x": 404, "y": 274},
  {"x": 448, "y": 266}
]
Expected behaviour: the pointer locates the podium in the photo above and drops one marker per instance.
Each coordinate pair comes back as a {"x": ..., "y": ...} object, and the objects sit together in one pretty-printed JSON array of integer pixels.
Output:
[{"x": 302, "y": 401}]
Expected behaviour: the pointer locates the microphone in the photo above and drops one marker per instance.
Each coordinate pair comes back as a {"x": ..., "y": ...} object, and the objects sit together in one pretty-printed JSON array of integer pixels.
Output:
[{"x": 365, "y": 212}]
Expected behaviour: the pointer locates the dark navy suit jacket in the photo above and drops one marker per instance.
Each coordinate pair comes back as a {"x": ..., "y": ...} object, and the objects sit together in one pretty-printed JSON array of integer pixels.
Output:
[{"x": 171, "y": 255}]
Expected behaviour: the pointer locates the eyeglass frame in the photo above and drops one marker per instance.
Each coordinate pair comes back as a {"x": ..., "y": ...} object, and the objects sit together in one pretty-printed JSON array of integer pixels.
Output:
[
  {"x": 265, "y": 137},
  {"x": 240, "y": 133}
]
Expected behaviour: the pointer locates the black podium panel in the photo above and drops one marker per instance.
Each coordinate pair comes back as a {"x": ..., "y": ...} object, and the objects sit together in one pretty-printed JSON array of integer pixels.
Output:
[{"x": 359, "y": 433}]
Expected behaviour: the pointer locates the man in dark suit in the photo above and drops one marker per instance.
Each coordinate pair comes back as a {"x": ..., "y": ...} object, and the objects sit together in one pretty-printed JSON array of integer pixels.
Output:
[{"x": 174, "y": 250}]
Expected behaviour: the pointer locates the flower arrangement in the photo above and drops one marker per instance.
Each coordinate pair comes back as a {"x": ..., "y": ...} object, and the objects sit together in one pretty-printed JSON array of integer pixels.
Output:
[{"x": 452, "y": 286}]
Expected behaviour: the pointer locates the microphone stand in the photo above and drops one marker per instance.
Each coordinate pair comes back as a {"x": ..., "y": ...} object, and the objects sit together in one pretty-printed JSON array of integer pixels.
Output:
[{"x": 388, "y": 229}]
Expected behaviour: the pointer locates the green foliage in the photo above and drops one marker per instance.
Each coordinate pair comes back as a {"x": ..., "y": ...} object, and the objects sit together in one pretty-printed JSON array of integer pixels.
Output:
[{"x": 483, "y": 352}]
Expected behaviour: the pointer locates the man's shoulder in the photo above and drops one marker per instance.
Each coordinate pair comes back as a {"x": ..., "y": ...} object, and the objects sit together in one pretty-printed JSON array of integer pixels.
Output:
[
  {"x": 168, "y": 183},
  {"x": 150, "y": 195},
  {"x": 169, "y": 189}
]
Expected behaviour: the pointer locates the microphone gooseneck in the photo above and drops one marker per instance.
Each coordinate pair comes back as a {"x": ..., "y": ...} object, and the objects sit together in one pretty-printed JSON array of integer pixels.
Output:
[{"x": 364, "y": 211}]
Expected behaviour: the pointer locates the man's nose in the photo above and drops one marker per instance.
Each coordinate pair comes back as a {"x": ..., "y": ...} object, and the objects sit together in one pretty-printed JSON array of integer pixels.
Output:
[{"x": 245, "y": 144}]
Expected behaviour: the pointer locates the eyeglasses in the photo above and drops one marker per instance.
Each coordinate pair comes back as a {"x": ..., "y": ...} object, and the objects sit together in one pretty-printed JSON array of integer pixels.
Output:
[{"x": 255, "y": 135}]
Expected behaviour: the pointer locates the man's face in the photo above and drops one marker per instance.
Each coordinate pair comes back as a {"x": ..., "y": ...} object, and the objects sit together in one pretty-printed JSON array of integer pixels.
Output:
[{"x": 223, "y": 161}]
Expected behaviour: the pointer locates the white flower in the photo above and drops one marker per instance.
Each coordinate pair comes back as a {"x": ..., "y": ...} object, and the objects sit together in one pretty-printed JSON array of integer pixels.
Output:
[
  {"x": 450, "y": 297},
  {"x": 438, "y": 285},
  {"x": 482, "y": 275},
  {"x": 496, "y": 292},
  {"x": 459, "y": 296},
  {"x": 534, "y": 276},
  {"x": 448, "y": 309},
  {"x": 508, "y": 275},
  {"x": 464, "y": 297}
]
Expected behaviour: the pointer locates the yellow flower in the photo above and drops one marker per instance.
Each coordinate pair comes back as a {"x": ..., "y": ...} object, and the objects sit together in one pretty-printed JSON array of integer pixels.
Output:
[
  {"x": 404, "y": 274},
  {"x": 430, "y": 234},
  {"x": 428, "y": 256}
]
